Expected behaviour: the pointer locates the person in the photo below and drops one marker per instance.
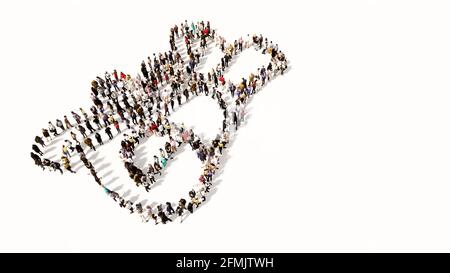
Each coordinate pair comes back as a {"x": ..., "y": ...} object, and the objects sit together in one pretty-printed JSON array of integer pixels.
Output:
[
  {"x": 151, "y": 170},
  {"x": 39, "y": 140},
  {"x": 140, "y": 211},
  {"x": 96, "y": 120},
  {"x": 235, "y": 120},
  {"x": 190, "y": 207},
  {"x": 76, "y": 117},
  {"x": 98, "y": 137},
  {"x": 52, "y": 129},
  {"x": 195, "y": 201},
  {"x": 129, "y": 206},
  {"x": 222, "y": 80},
  {"x": 60, "y": 125},
  {"x": 114, "y": 195},
  {"x": 164, "y": 217},
  {"x": 79, "y": 149},
  {"x": 56, "y": 166},
  {"x": 37, "y": 150},
  {"x": 69, "y": 145},
  {"x": 203, "y": 191},
  {"x": 146, "y": 186},
  {"x": 164, "y": 162},
  {"x": 181, "y": 207},
  {"x": 84, "y": 114},
  {"x": 67, "y": 122},
  {"x": 73, "y": 136},
  {"x": 37, "y": 160},
  {"x": 46, "y": 134},
  {"x": 108, "y": 132},
  {"x": 151, "y": 215},
  {"x": 89, "y": 126},
  {"x": 137, "y": 179},
  {"x": 116, "y": 125},
  {"x": 46, "y": 162},
  {"x": 94, "y": 174},
  {"x": 66, "y": 164},
  {"x": 89, "y": 143},
  {"x": 65, "y": 151},
  {"x": 221, "y": 146},
  {"x": 157, "y": 167},
  {"x": 169, "y": 208},
  {"x": 82, "y": 130},
  {"x": 151, "y": 178},
  {"x": 122, "y": 202}
]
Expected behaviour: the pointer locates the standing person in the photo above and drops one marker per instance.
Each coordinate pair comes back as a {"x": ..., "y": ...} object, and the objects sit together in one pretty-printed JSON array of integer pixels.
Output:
[
  {"x": 164, "y": 217},
  {"x": 222, "y": 80},
  {"x": 169, "y": 208},
  {"x": 94, "y": 174},
  {"x": 129, "y": 206},
  {"x": 202, "y": 179},
  {"x": 116, "y": 124},
  {"x": 221, "y": 146},
  {"x": 98, "y": 137},
  {"x": 37, "y": 160},
  {"x": 46, "y": 162},
  {"x": 105, "y": 119},
  {"x": 181, "y": 207},
  {"x": 69, "y": 145},
  {"x": 89, "y": 126},
  {"x": 224, "y": 125},
  {"x": 39, "y": 140},
  {"x": 241, "y": 109},
  {"x": 67, "y": 122},
  {"x": 79, "y": 149},
  {"x": 146, "y": 186},
  {"x": 89, "y": 143},
  {"x": 116, "y": 77},
  {"x": 235, "y": 119},
  {"x": 157, "y": 168},
  {"x": 151, "y": 178},
  {"x": 46, "y": 134},
  {"x": 164, "y": 162},
  {"x": 108, "y": 132},
  {"x": 190, "y": 207},
  {"x": 196, "y": 201},
  {"x": 122, "y": 203},
  {"x": 65, "y": 151},
  {"x": 59, "y": 124},
  {"x": 76, "y": 117},
  {"x": 179, "y": 98},
  {"x": 56, "y": 166},
  {"x": 84, "y": 114},
  {"x": 262, "y": 73},
  {"x": 66, "y": 164},
  {"x": 37, "y": 150},
  {"x": 74, "y": 136},
  {"x": 151, "y": 170},
  {"x": 140, "y": 211},
  {"x": 151, "y": 215},
  {"x": 96, "y": 120},
  {"x": 82, "y": 130},
  {"x": 52, "y": 129}
]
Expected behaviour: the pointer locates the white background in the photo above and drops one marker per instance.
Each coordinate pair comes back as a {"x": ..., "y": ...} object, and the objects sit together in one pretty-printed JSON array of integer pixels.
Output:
[{"x": 349, "y": 151}]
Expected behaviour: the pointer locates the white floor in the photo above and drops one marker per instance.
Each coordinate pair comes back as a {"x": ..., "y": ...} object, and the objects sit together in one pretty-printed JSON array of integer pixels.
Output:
[{"x": 348, "y": 151}]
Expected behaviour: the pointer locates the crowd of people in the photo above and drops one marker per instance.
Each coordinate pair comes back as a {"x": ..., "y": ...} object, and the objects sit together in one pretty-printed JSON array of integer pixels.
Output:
[{"x": 139, "y": 107}]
